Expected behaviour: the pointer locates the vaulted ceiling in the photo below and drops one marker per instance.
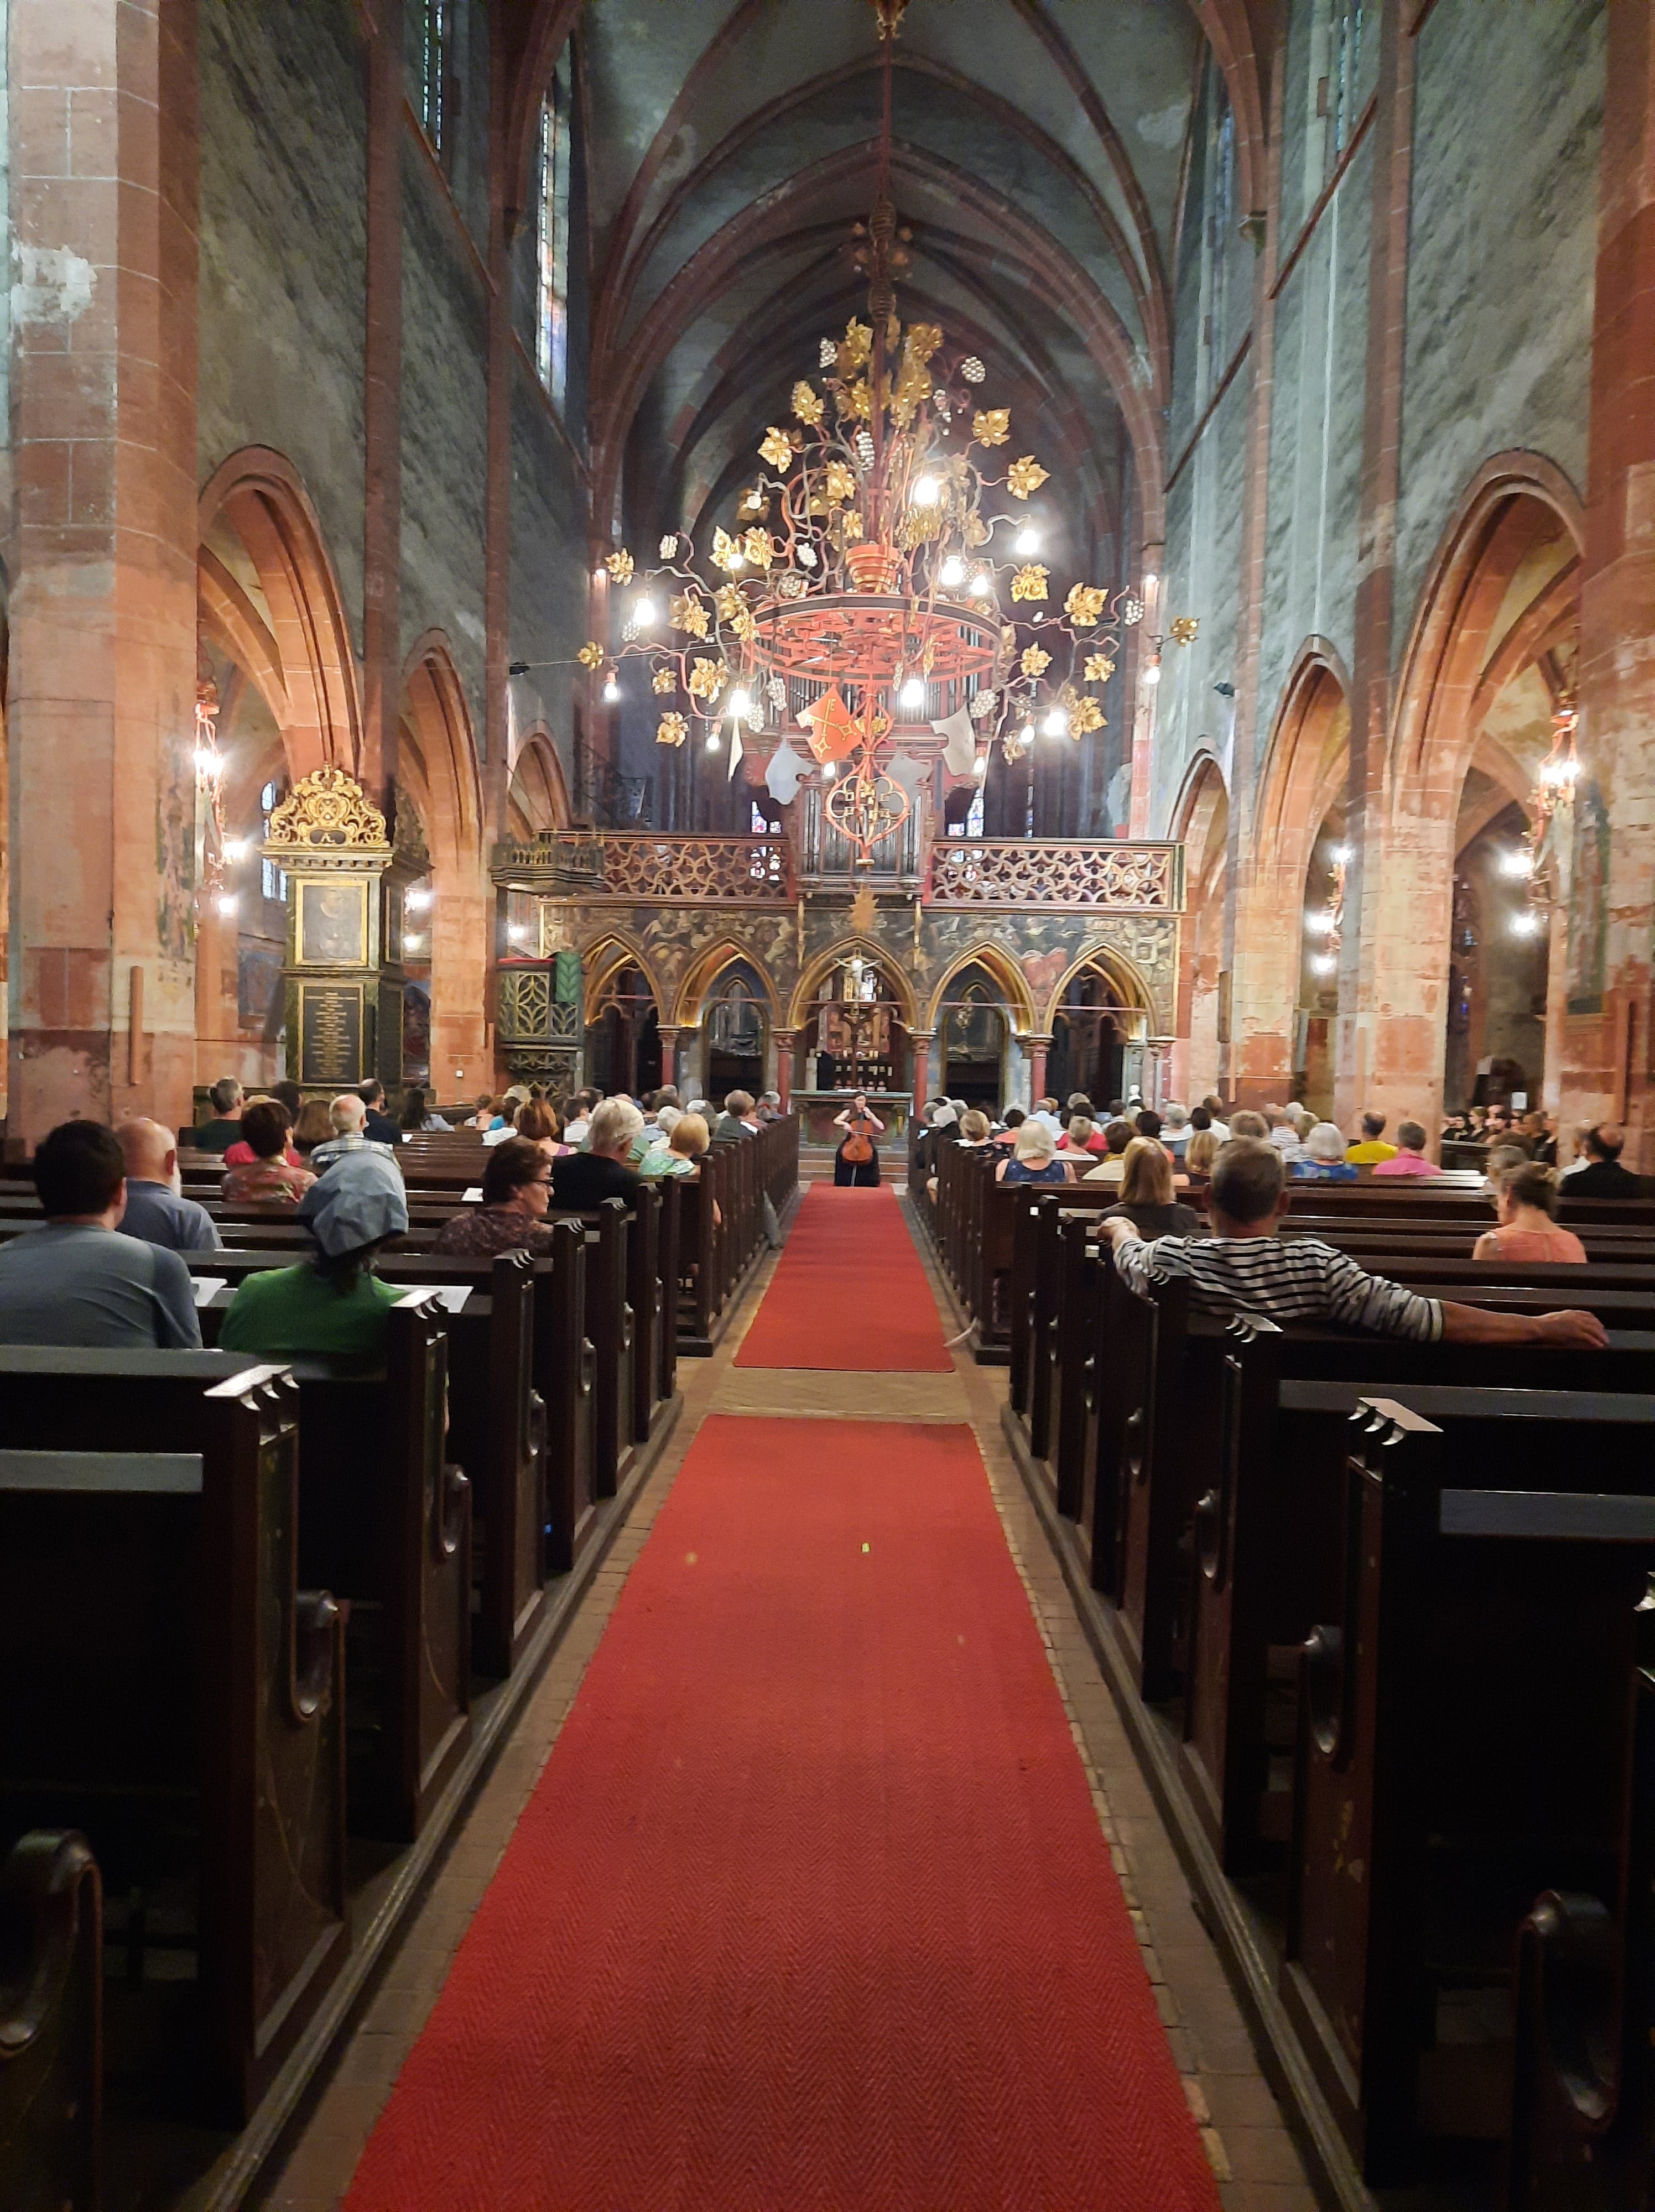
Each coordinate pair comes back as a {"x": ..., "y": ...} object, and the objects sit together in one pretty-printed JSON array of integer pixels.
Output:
[{"x": 1038, "y": 151}]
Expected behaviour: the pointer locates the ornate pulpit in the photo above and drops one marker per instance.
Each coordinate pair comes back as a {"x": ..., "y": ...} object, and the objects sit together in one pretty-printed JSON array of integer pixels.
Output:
[{"x": 344, "y": 997}]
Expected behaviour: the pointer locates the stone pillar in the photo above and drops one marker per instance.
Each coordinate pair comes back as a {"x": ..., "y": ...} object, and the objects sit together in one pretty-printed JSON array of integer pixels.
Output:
[
  {"x": 1036, "y": 1048},
  {"x": 919, "y": 1042},
  {"x": 461, "y": 919},
  {"x": 101, "y": 556},
  {"x": 1607, "y": 1027},
  {"x": 787, "y": 1044},
  {"x": 669, "y": 1055}
]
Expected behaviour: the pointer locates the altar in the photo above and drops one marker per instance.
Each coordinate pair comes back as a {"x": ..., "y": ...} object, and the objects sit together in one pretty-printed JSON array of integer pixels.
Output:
[{"x": 815, "y": 1111}]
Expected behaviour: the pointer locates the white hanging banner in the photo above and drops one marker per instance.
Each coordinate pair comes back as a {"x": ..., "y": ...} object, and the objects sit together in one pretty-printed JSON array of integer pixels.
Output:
[{"x": 960, "y": 751}]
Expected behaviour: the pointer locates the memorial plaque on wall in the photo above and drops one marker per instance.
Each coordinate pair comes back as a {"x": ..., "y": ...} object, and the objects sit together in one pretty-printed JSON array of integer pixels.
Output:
[
  {"x": 329, "y": 1033},
  {"x": 333, "y": 922}
]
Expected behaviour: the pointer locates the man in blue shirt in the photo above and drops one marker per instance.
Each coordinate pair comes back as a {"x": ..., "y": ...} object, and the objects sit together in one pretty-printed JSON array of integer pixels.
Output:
[{"x": 155, "y": 1211}]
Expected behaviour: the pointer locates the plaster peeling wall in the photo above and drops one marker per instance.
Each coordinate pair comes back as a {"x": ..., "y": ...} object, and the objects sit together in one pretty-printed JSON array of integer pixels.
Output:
[
  {"x": 283, "y": 248},
  {"x": 1503, "y": 238}
]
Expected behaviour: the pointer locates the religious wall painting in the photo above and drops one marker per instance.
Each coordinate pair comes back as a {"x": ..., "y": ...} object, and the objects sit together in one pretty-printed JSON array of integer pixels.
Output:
[
  {"x": 175, "y": 856},
  {"x": 257, "y": 982},
  {"x": 1043, "y": 970},
  {"x": 1589, "y": 912},
  {"x": 415, "y": 1033}
]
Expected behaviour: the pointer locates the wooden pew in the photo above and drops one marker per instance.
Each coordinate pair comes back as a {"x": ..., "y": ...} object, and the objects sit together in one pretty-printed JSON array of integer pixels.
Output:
[
  {"x": 51, "y": 2025},
  {"x": 1462, "y": 1719},
  {"x": 384, "y": 1522},
  {"x": 175, "y": 1693}
]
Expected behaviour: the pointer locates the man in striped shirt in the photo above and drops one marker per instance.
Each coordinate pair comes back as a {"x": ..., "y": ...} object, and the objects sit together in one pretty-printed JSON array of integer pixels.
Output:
[{"x": 1246, "y": 1266}]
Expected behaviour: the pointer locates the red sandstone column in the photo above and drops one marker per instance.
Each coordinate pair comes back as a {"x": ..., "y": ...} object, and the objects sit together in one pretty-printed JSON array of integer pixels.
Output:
[
  {"x": 1607, "y": 1055},
  {"x": 669, "y": 1055},
  {"x": 920, "y": 1043},
  {"x": 462, "y": 993},
  {"x": 787, "y": 1044},
  {"x": 1038, "y": 1047},
  {"x": 101, "y": 554},
  {"x": 1390, "y": 1012}
]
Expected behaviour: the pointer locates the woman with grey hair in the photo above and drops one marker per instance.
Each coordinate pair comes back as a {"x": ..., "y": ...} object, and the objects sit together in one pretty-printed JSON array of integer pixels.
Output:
[
  {"x": 581, "y": 1181},
  {"x": 1324, "y": 1157}
]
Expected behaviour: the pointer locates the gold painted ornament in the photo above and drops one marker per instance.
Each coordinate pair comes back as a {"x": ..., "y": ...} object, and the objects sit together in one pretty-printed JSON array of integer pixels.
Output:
[
  {"x": 1029, "y": 581},
  {"x": 1085, "y": 605},
  {"x": 808, "y": 403},
  {"x": 1036, "y": 660},
  {"x": 777, "y": 448},
  {"x": 839, "y": 480},
  {"x": 688, "y": 612},
  {"x": 727, "y": 552},
  {"x": 1184, "y": 630},
  {"x": 672, "y": 730},
  {"x": 1025, "y": 476},
  {"x": 706, "y": 678},
  {"x": 757, "y": 549},
  {"x": 856, "y": 346},
  {"x": 619, "y": 566},
  {"x": 663, "y": 682},
  {"x": 591, "y": 654},
  {"x": 991, "y": 425},
  {"x": 1099, "y": 668},
  {"x": 1084, "y": 716}
]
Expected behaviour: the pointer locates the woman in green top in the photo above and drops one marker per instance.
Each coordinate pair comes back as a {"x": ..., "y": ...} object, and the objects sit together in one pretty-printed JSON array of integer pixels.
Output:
[
  {"x": 678, "y": 1156},
  {"x": 333, "y": 1303}
]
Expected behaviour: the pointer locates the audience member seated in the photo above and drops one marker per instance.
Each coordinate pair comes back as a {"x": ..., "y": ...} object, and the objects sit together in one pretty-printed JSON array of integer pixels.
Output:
[
  {"x": 378, "y": 1127},
  {"x": 977, "y": 1129},
  {"x": 1408, "y": 1159},
  {"x": 580, "y": 1117},
  {"x": 1146, "y": 1199},
  {"x": 1045, "y": 1109},
  {"x": 736, "y": 1120},
  {"x": 1212, "y": 1106},
  {"x": 222, "y": 1132},
  {"x": 1372, "y": 1148},
  {"x": 75, "y": 1280},
  {"x": 1117, "y": 1136},
  {"x": 536, "y": 1124},
  {"x": 1323, "y": 1158},
  {"x": 687, "y": 1138},
  {"x": 332, "y": 1303},
  {"x": 1500, "y": 1164},
  {"x": 157, "y": 1210},
  {"x": 241, "y": 1154},
  {"x": 1541, "y": 1132},
  {"x": 516, "y": 1193},
  {"x": 312, "y": 1126},
  {"x": 267, "y": 1176},
  {"x": 1245, "y": 1121},
  {"x": 1034, "y": 1156},
  {"x": 1602, "y": 1176},
  {"x": 416, "y": 1117},
  {"x": 582, "y": 1180},
  {"x": 348, "y": 1117},
  {"x": 1525, "y": 1200},
  {"x": 1082, "y": 1135},
  {"x": 1176, "y": 1132},
  {"x": 486, "y": 1115},
  {"x": 1199, "y": 1155},
  {"x": 1246, "y": 1265},
  {"x": 1010, "y": 1122}
]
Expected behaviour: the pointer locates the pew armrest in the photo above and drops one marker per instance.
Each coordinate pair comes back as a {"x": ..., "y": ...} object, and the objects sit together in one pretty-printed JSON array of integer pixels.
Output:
[
  {"x": 1569, "y": 1989},
  {"x": 316, "y": 1620},
  {"x": 50, "y": 1880}
]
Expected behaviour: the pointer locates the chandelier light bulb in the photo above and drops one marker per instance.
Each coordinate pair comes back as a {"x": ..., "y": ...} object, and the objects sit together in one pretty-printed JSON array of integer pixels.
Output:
[
  {"x": 913, "y": 692},
  {"x": 1056, "y": 724},
  {"x": 927, "y": 492},
  {"x": 980, "y": 765},
  {"x": 643, "y": 613},
  {"x": 236, "y": 851},
  {"x": 1152, "y": 673},
  {"x": 981, "y": 586},
  {"x": 227, "y": 905},
  {"x": 737, "y": 561},
  {"x": 1340, "y": 855},
  {"x": 517, "y": 933},
  {"x": 953, "y": 573},
  {"x": 208, "y": 763},
  {"x": 1317, "y": 923},
  {"x": 417, "y": 902},
  {"x": 1026, "y": 735},
  {"x": 1516, "y": 862},
  {"x": 412, "y": 943},
  {"x": 1150, "y": 580},
  {"x": 740, "y": 705},
  {"x": 611, "y": 691},
  {"x": 1028, "y": 539},
  {"x": 1529, "y": 923},
  {"x": 711, "y": 741},
  {"x": 1324, "y": 963}
]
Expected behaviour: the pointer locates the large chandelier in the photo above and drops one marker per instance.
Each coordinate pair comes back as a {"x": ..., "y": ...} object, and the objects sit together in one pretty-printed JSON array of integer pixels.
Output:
[{"x": 873, "y": 575}]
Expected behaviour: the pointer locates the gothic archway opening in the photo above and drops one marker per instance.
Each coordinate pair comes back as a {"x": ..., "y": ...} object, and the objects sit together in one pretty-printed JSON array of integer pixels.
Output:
[
  {"x": 622, "y": 1038},
  {"x": 733, "y": 1022},
  {"x": 1498, "y": 962},
  {"x": 855, "y": 1037},
  {"x": 972, "y": 1038},
  {"x": 1324, "y": 921},
  {"x": 1089, "y": 1039}
]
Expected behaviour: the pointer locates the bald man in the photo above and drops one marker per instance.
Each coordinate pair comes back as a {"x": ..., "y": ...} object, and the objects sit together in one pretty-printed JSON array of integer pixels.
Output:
[{"x": 156, "y": 1213}]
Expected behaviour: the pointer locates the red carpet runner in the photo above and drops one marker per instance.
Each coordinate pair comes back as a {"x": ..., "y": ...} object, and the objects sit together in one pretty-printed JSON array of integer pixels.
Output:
[
  {"x": 850, "y": 1293},
  {"x": 810, "y": 1910}
]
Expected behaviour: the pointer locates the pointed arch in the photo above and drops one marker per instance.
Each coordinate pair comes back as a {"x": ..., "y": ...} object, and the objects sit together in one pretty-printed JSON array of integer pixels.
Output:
[
  {"x": 809, "y": 986},
  {"x": 298, "y": 648},
  {"x": 995, "y": 962},
  {"x": 609, "y": 950},
  {"x": 704, "y": 971},
  {"x": 538, "y": 796},
  {"x": 440, "y": 774},
  {"x": 1124, "y": 974},
  {"x": 1306, "y": 760}
]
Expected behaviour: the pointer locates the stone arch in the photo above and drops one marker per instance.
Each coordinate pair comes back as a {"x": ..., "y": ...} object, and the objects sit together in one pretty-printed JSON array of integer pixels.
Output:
[
  {"x": 997, "y": 962},
  {"x": 704, "y": 971},
  {"x": 608, "y": 951},
  {"x": 439, "y": 771},
  {"x": 1201, "y": 823},
  {"x": 1490, "y": 649},
  {"x": 812, "y": 977},
  {"x": 269, "y": 596},
  {"x": 1306, "y": 761},
  {"x": 1128, "y": 978},
  {"x": 538, "y": 796}
]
